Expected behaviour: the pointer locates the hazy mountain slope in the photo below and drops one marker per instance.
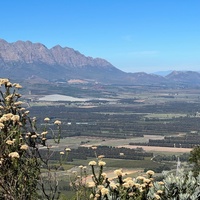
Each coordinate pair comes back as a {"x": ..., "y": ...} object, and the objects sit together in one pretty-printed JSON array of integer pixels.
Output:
[
  {"x": 186, "y": 77},
  {"x": 144, "y": 78},
  {"x": 27, "y": 60}
]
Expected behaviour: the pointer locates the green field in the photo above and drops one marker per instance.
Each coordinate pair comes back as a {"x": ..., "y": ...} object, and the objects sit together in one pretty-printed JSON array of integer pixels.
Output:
[{"x": 165, "y": 115}]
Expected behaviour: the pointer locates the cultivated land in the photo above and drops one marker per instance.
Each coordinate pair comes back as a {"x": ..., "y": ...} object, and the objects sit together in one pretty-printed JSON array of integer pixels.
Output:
[
  {"x": 158, "y": 119},
  {"x": 137, "y": 128}
]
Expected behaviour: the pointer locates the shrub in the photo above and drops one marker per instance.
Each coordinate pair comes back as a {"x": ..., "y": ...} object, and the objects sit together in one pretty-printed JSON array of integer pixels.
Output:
[
  {"x": 20, "y": 144},
  {"x": 182, "y": 186}
]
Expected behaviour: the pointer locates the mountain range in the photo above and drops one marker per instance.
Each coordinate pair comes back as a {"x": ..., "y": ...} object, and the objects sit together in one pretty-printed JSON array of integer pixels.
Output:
[{"x": 24, "y": 60}]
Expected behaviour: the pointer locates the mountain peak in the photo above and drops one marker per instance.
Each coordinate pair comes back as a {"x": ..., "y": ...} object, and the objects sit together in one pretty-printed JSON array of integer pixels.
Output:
[
  {"x": 57, "y": 62},
  {"x": 57, "y": 47}
]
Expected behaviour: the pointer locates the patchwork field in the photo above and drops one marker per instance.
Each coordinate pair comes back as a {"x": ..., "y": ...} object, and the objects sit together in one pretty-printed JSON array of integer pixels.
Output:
[{"x": 117, "y": 116}]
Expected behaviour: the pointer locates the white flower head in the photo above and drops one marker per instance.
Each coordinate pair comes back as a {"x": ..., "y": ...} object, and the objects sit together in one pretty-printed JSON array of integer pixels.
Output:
[
  {"x": 91, "y": 184},
  {"x": 101, "y": 163},
  {"x": 13, "y": 155},
  {"x": 104, "y": 191},
  {"x": 118, "y": 172},
  {"x": 57, "y": 122},
  {"x": 1, "y": 125},
  {"x": 92, "y": 163},
  {"x": 17, "y": 85},
  {"x": 150, "y": 172},
  {"x": 24, "y": 147},
  {"x": 68, "y": 149},
  {"x": 46, "y": 119},
  {"x": 10, "y": 142}
]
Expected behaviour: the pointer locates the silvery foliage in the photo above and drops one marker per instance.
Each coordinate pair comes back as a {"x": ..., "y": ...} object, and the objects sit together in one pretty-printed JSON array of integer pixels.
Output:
[{"x": 180, "y": 186}]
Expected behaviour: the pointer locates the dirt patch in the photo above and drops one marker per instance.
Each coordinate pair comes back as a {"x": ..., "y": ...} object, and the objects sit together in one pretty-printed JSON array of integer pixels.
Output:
[{"x": 160, "y": 149}]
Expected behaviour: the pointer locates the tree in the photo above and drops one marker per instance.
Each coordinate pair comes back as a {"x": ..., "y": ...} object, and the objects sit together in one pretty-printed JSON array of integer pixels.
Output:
[{"x": 195, "y": 159}]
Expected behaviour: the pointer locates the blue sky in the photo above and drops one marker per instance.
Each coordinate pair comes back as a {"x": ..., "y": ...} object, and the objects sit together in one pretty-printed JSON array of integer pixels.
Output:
[{"x": 133, "y": 35}]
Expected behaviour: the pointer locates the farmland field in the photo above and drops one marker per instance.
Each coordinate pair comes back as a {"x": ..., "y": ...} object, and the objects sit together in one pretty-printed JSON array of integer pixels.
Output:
[
  {"x": 120, "y": 116},
  {"x": 137, "y": 128}
]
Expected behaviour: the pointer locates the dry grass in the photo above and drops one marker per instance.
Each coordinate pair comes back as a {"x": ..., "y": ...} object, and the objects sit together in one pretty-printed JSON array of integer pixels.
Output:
[
  {"x": 74, "y": 142},
  {"x": 159, "y": 149}
]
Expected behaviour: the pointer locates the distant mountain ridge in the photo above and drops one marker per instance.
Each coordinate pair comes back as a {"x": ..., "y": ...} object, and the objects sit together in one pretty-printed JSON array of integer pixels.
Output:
[
  {"x": 28, "y": 52},
  {"x": 187, "y": 77},
  {"x": 27, "y": 60}
]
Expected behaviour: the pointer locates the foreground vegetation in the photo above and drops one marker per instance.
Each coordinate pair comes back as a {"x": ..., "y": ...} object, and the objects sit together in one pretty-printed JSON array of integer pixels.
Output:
[{"x": 27, "y": 171}]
